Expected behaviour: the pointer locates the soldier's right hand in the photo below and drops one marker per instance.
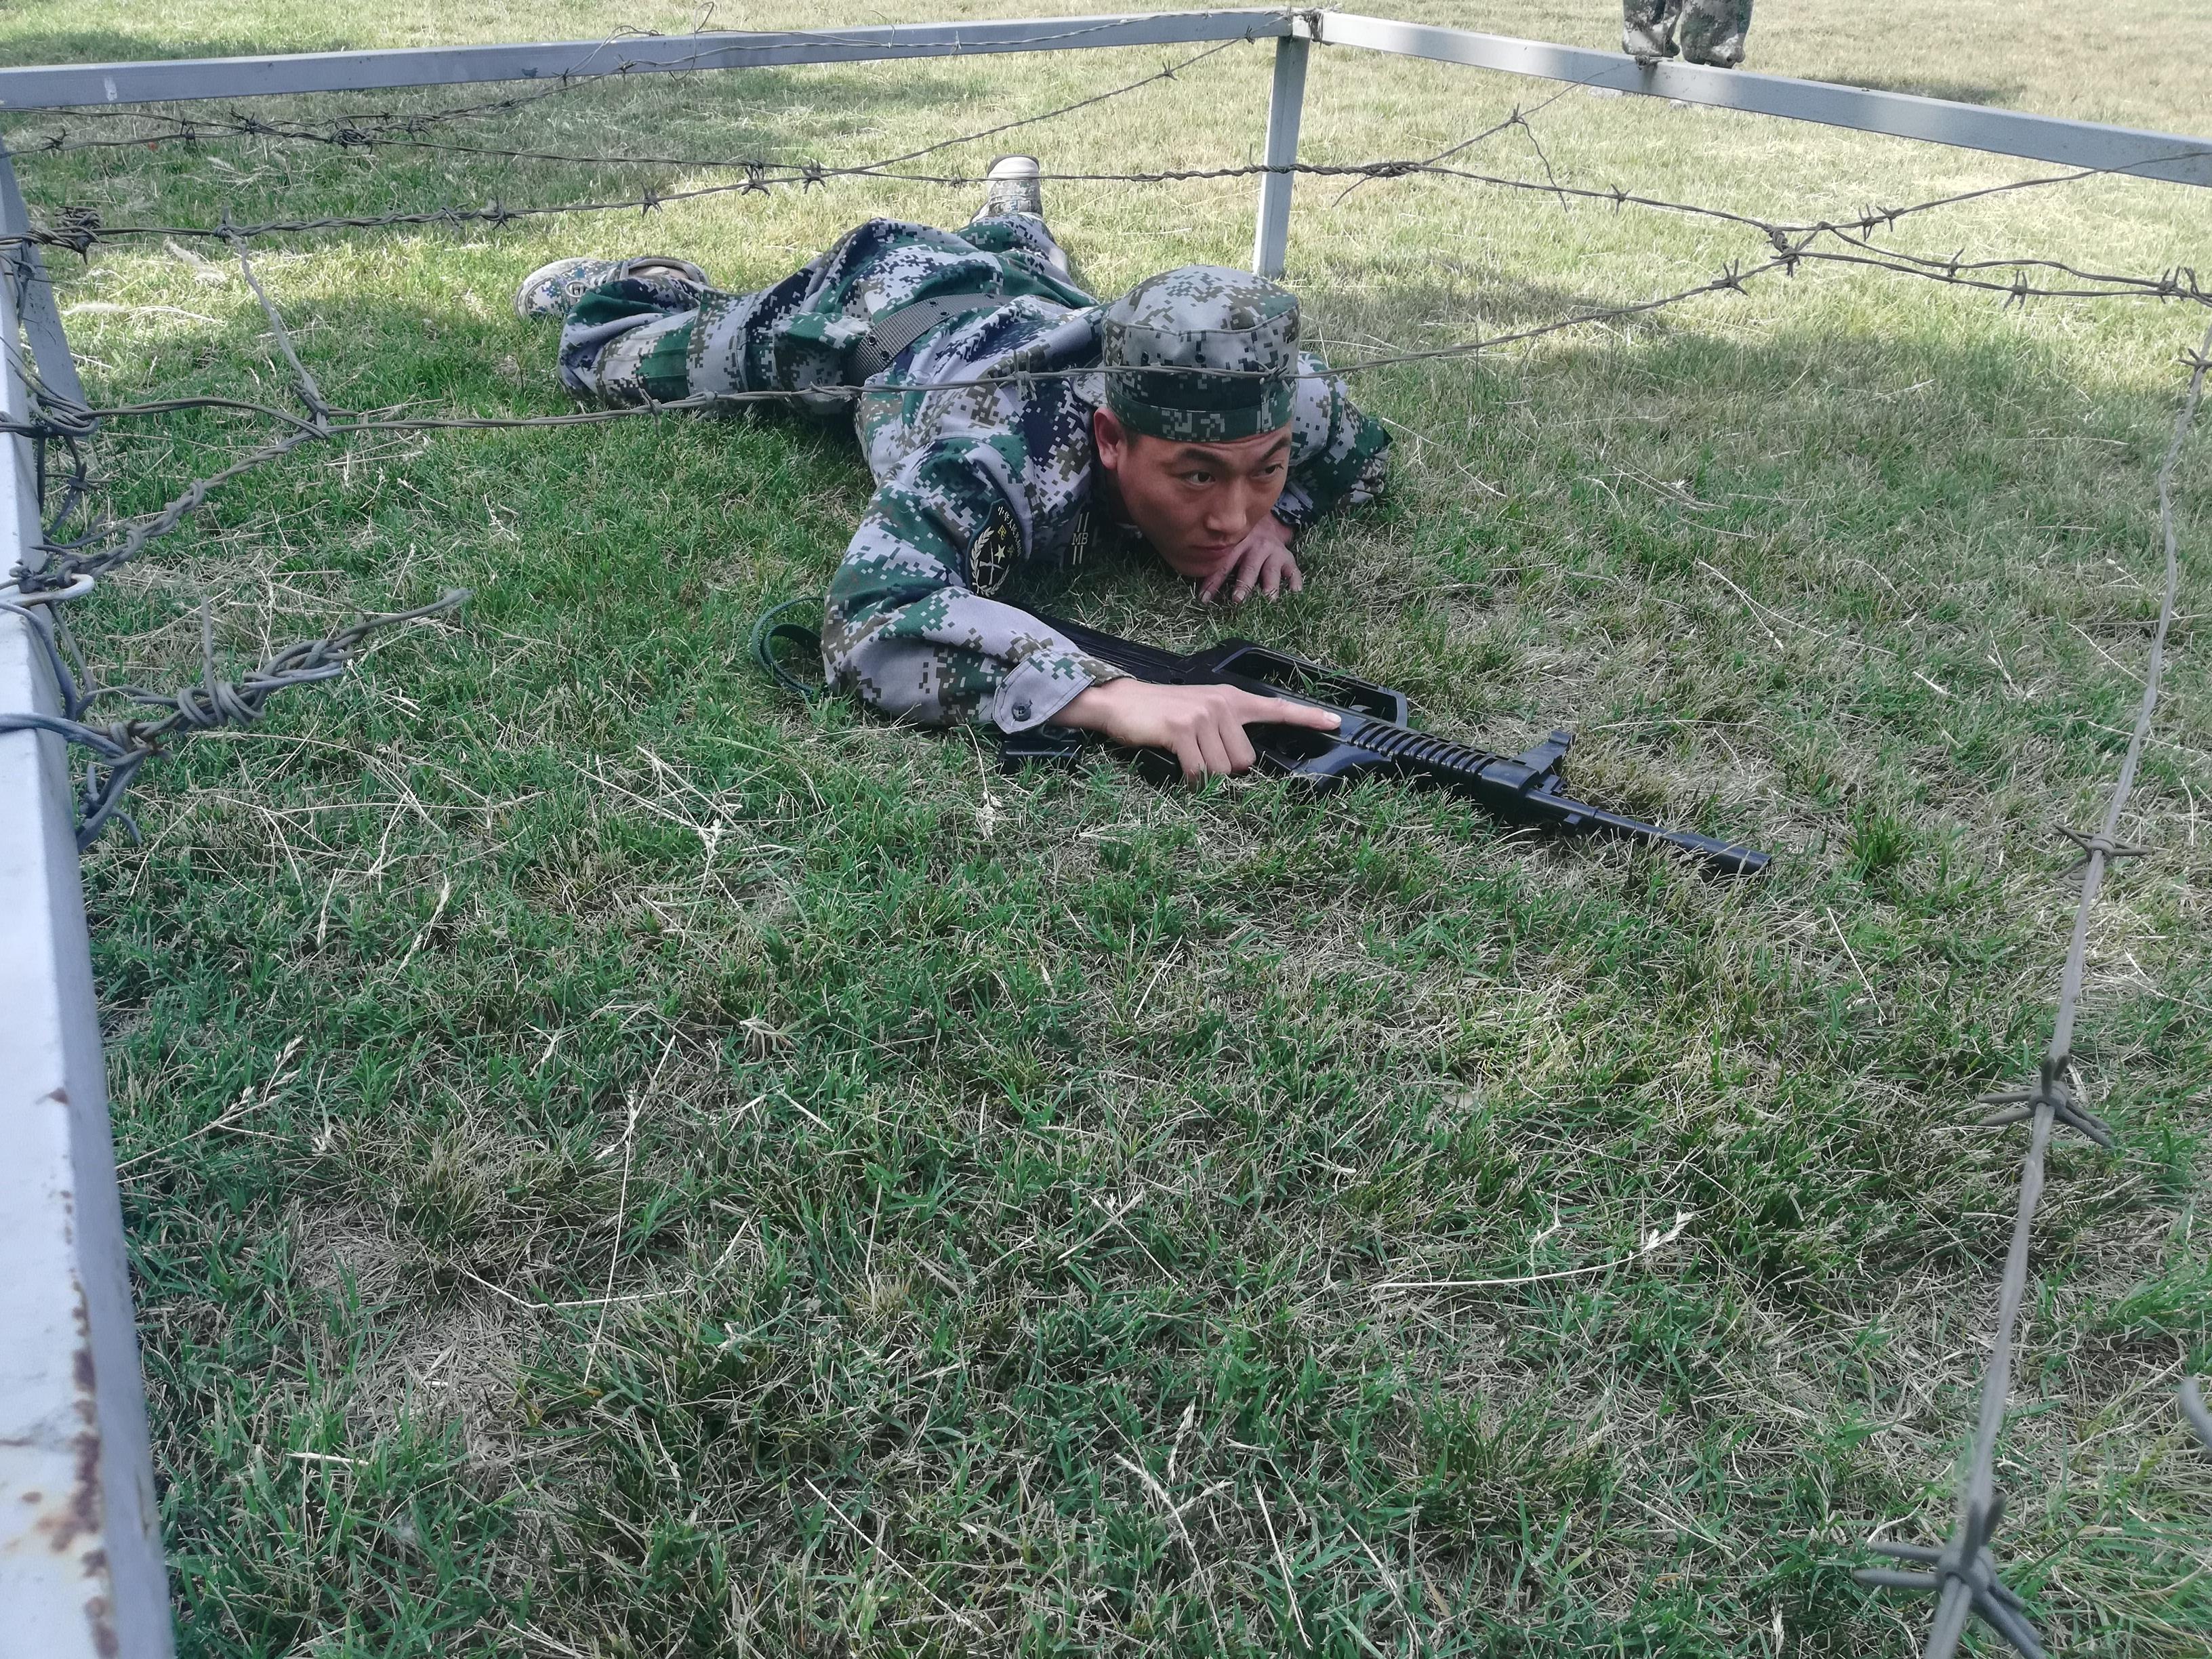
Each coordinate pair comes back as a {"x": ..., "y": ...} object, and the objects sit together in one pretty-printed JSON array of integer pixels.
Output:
[{"x": 1202, "y": 726}]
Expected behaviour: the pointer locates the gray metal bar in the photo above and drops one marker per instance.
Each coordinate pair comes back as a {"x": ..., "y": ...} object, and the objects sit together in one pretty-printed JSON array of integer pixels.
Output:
[
  {"x": 56, "y": 86},
  {"x": 81, "y": 1573},
  {"x": 34, "y": 298},
  {"x": 2171, "y": 157},
  {"x": 1271, "y": 240}
]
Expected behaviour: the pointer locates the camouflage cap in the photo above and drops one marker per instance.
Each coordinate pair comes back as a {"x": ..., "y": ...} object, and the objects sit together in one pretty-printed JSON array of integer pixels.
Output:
[{"x": 1184, "y": 322}]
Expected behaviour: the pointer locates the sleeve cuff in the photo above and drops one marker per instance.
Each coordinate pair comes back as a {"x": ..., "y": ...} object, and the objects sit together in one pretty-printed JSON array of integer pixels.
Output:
[{"x": 1041, "y": 685}]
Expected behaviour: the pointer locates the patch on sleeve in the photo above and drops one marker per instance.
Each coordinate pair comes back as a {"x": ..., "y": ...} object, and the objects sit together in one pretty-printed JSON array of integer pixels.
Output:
[{"x": 991, "y": 555}]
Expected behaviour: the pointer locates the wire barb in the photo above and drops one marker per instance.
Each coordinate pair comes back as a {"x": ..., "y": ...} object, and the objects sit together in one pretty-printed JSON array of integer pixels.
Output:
[
  {"x": 2100, "y": 845},
  {"x": 2194, "y": 1412},
  {"x": 1965, "y": 1574},
  {"x": 2049, "y": 1092}
]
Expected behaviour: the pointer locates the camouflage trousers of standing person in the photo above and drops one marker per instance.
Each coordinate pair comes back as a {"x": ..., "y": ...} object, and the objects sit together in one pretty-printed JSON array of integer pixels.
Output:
[
  {"x": 1709, "y": 32},
  {"x": 655, "y": 339}
]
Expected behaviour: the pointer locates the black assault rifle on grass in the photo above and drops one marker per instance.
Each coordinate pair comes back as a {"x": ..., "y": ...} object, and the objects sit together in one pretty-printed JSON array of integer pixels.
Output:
[{"x": 1373, "y": 740}]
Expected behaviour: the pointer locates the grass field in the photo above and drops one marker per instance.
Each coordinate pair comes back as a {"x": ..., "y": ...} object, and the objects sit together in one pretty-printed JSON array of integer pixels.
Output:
[{"x": 619, "y": 1164}]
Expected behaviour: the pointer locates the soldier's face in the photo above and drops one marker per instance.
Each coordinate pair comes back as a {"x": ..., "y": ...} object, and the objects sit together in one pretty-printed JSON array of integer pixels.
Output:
[{"x": 1194, "y": 502}]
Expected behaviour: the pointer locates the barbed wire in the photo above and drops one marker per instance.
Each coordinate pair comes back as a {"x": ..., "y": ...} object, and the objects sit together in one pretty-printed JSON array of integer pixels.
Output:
[
  {"x": 1963, "y": 1573},
  {"x": 120, "y": 748},
  {"x": 66, "y": 563},
  {"x": 310, "y": 393},
  {"x": 359, "y": 131},
  {"x": 1795, "y": 242},
  {"x": 405, "y": 132}
]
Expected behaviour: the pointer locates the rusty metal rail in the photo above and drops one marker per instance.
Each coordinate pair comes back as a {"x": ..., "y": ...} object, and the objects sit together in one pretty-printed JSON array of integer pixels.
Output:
[{"x": 81, "y": 1570}]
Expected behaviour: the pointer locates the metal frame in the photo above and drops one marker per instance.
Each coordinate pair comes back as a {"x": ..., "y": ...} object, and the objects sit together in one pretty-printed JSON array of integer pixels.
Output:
[
  {"x": 55, "y": 87},
  {"x": 81, "y": 1570},
  {"x": 34, "y": 303},
  {"x": 79, "y": 1541},
  {"x": 2175, "y": 157}
]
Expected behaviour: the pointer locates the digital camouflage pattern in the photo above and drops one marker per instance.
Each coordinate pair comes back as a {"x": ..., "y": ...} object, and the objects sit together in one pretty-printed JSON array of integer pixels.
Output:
[
  {"x": 1710, "y": 32},
  {"x": 1196, "y": 318},
  {"x": 554, "y": 290},
  {"x": 976, "y": 483}
]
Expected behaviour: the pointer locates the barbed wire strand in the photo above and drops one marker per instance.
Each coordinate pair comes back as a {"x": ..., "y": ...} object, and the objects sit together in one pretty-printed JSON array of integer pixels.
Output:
[
  {"x": 1963, "y": 1573},
  {"x": 401, "y": 135},
  {"x": 1794, "y": 243},
  {"x": 137, "y": 535},
  {"x": 346, "y": 130},
  {"x": 349, "y": 129},
  {"x": 78, "y": 228},
  {"x": 310, "y": 393},
  {"x": 122, "y": 747},
  {"x": 68, "y": 562}
]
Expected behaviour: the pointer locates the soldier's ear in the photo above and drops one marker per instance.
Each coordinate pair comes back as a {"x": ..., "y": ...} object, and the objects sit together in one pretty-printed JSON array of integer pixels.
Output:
[{"x": 1109, "y": 437}]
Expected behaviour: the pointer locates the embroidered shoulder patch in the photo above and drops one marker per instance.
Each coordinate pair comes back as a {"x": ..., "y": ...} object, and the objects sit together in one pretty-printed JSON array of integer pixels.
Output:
[{"x": 991, "y": 555}]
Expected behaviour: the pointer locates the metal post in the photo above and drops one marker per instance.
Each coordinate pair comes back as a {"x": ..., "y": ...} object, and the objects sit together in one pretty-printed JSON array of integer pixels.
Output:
[
  {"x": 81, "y": 1573},
  {"x": 34, "y": 299},
  {"x": 1272, "y": 240}
]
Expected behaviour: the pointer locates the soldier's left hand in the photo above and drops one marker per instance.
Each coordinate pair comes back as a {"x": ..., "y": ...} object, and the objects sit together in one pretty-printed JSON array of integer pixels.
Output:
[{"x": 1262, "y": 561}]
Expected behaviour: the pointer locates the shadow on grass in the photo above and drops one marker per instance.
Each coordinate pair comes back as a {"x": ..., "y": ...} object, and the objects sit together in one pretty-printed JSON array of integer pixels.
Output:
[
  {"x": 103, "y": 46},
  {"x": 1954, "y": 91}
]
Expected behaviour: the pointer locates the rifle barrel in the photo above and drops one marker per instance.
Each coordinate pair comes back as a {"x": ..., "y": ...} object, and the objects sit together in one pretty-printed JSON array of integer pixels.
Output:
[{"x": 1728, "y": 858}]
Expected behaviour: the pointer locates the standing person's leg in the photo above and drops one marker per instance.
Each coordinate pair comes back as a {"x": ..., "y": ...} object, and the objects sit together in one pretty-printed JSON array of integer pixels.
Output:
[
  {"x": 1712, "y": 31},
  {"x": 1647, "y": 28}
]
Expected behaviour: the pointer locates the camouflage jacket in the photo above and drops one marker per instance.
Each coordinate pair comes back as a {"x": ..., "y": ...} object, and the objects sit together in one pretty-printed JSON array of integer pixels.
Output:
[{"x": 976, "y": 484}]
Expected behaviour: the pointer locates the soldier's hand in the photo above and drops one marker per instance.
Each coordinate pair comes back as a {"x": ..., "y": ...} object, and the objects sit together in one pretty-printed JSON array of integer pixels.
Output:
[
  {"x": 1202, "y": 726},
  {"x": 1262, "y": 561}
]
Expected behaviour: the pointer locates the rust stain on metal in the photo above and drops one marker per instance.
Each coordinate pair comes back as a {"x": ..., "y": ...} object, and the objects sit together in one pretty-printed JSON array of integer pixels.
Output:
[
  {"x": 78, "y": 1513},
  {"x": 72, "y": 1523},
  {"x": 99, "y": 1619}
]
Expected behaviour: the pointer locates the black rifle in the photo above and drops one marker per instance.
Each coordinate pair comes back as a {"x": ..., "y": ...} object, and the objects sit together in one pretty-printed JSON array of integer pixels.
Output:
[{"x": 1373, "y": 740}]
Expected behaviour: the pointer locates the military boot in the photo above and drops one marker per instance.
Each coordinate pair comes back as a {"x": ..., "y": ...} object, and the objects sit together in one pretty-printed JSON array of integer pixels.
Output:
[
  {"x": 1012, "y": 186},
  {"x": 553, "y": 290}
]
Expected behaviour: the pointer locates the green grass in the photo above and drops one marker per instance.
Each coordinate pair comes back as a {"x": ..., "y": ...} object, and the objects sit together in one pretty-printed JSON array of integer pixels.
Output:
[{"x": 995, "y": 1176}]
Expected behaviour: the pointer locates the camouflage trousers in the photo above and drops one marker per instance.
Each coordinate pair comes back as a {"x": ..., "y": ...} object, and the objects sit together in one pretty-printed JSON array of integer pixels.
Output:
[
  {"x": 1703, "y": 31},
  {"x": 649, "y": 339}
]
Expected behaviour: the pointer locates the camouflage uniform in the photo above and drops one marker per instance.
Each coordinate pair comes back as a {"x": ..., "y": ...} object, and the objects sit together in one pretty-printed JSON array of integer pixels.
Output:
[
  {"x": 978, "y": 483},
  {"x": 1703, "y": 31}
]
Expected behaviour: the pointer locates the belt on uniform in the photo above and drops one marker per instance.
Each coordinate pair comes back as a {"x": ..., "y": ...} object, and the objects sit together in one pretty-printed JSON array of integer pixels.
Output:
[{"x": 895, "y": 331}]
